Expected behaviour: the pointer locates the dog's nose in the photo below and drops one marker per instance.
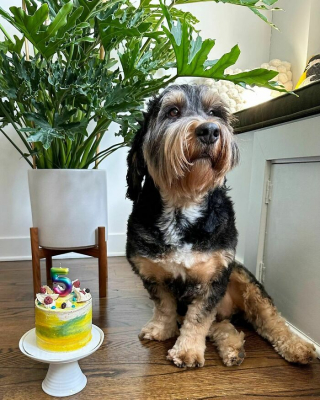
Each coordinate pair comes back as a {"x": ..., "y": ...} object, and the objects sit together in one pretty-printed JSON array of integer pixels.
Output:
[{"x": 208, "y": 132}]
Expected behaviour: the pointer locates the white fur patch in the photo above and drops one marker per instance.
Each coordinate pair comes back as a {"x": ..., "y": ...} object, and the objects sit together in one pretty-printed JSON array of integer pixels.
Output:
[
  {"x": 171, "y": 224},
  {"x": 171, "y": 228}
]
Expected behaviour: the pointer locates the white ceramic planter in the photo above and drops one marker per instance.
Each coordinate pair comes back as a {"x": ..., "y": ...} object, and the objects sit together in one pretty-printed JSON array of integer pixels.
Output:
[{"x": 68, "y": 206}]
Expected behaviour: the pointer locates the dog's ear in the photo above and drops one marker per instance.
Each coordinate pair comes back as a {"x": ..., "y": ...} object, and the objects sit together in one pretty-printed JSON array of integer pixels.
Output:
[{"x": 137, "y": 168}]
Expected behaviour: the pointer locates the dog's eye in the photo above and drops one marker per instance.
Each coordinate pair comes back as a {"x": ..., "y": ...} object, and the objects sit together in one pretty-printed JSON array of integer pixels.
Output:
[
  {"x": 211, "y": 113},
  {"x": 173, "y": 112}
]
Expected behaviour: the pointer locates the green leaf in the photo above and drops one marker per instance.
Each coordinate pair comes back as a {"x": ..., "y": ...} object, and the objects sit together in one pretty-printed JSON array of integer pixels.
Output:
[
  {"x": 114, "y": 30},
  {"x": 263, "y": 17},
  {"x": 196, "y": 52},
  {"x": 253, "y": 5},
  {"x": 43, "y": 135},
  {"x": 44, "y": 38}
]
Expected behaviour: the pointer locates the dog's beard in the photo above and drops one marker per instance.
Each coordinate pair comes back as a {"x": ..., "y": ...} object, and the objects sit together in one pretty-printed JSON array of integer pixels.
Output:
[{"x": 184, "y": 168}]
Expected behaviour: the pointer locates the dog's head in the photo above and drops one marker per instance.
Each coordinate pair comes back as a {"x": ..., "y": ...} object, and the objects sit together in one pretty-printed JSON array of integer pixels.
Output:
[{"x": 186, "y": 144}]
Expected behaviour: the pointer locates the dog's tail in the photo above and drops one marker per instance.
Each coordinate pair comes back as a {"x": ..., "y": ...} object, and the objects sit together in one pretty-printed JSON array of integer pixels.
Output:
[{"x": 249, "y": 296}]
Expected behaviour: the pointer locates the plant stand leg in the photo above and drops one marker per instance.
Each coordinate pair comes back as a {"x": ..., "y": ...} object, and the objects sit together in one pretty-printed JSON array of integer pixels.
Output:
[
  {"x": 64, "y": 379},
  {"x": 102, "y": 245},
  {"x": 48, "y": 269},
  {"x": 35, "y": 260}
]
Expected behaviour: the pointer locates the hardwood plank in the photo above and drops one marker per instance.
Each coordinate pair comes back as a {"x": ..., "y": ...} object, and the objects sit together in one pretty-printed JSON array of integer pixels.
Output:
[{"x": 125, "y": 368}]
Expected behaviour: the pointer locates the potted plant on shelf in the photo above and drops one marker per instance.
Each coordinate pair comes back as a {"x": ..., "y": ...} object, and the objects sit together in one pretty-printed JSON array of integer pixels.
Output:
[{"x": 92, "y": 63}]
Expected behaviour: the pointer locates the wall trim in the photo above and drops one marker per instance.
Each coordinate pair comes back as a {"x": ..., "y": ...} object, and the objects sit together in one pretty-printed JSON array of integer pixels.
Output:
[
  {"x": 304, "y": 336},
  {"x": 19, "y": 248}
]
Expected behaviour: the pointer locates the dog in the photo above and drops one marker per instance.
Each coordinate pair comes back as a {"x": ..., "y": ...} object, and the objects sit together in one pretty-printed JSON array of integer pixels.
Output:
[{"x": 181, "y": 236}]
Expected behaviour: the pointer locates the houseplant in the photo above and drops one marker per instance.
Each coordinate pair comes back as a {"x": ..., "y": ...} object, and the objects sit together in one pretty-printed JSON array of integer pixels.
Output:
[{"x": 93, "y": 63}]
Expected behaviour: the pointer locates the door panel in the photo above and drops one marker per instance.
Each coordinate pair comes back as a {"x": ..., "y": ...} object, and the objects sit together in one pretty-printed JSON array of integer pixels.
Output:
[{"x": 292, "y": 245}]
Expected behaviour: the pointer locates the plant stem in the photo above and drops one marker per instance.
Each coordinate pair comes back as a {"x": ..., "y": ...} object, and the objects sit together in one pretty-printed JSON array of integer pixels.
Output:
[
  {"x": 68, "y": 62},
  {"x": 15, "y": 127},
  {"x": 6, "y": 33},
  {"x": 16, "y": 147},
  {"x": 104, "y": 153},
  {"x": 109, "y": 153}
]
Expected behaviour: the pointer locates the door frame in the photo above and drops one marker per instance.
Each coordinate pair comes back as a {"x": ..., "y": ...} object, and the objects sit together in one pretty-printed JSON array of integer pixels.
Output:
[{"x": 297, "y": 141}]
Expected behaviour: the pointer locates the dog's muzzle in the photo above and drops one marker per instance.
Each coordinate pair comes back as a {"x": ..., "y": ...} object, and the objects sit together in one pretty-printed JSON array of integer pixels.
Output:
[{"x": 208, "y": 132}]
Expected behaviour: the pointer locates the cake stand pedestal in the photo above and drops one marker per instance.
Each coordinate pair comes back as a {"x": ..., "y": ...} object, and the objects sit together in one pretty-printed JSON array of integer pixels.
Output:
[{"x": 64, "y": 376}]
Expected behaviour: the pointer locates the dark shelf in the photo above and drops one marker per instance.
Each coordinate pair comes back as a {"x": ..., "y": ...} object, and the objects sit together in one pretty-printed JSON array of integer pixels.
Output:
[{"x": 281, "y": 109}]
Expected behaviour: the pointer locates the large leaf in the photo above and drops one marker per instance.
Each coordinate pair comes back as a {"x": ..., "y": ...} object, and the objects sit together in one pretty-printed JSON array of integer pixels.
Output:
[
  {"x": 42, "y": 135},
  {"x": 253, "y": 5},
  {"x": 192, "y": 58},
  {"x": 46, "y": 39},
  {"x": 114, "y": 30}
]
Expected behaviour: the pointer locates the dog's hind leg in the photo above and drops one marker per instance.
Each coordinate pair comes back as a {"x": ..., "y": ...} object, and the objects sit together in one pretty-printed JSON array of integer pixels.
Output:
[
  {"x": 229, "y": 342},
  {"x": 250, "y": 297}
]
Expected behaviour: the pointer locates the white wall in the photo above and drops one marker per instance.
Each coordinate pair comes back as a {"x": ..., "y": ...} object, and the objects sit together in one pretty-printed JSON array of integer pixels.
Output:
[
  {"x": 228, "y": 25},
  {"x": 231, "y": 25},
  {"x": 298, "y": 36},
  {"x": 239, "y": 181}
]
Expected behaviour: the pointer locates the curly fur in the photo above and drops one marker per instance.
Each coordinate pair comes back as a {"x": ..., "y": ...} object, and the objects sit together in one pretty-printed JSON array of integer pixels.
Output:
[{"x": 182, "y": 237}]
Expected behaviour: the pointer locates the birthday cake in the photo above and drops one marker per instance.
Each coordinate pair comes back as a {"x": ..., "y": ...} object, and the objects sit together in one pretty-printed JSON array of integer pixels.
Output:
[{"x": 63, "y": 316}]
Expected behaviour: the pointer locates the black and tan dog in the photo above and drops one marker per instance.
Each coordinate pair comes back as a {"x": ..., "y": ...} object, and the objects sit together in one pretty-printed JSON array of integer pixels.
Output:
[{"x": 182, "y": 235}]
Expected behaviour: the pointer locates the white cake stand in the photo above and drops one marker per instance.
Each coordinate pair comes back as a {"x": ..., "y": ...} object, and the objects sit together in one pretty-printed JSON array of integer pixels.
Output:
[{"x": 64, "y": 376}]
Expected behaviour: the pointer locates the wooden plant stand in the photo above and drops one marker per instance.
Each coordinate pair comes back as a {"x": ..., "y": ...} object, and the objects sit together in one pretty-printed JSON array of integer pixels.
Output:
[{"x": 99, "y": 251}]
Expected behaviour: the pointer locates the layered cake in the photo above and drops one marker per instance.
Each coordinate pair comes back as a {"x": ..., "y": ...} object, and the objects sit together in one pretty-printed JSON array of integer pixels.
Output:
[{"x": 63, "y": 319}]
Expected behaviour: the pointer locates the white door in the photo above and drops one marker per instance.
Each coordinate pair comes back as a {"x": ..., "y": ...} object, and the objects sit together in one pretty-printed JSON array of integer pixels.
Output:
[{"x": 292, "y": 244}]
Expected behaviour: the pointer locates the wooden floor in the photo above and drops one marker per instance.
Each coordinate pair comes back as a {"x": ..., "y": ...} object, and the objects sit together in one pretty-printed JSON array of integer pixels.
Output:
[{"x": 125, "y": 368}]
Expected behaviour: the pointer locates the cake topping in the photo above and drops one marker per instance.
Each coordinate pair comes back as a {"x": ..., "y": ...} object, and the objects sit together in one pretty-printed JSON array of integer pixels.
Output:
[
  {"x": 76, "y": 283},
  {"x": 47, "y": 296},
  {"x": 82, "y": 295},
  {"x": 68, "y": 304},
  {"x": 48, "y": 300},
  {"x": 45, "y": 290}
]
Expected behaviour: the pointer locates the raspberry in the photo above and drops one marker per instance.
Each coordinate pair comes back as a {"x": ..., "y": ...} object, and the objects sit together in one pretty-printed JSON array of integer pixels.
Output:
[
  {"x": 48, "y": 300},
  {"x": 43, "y": 290},
  {"x": 76, "y": 283}
]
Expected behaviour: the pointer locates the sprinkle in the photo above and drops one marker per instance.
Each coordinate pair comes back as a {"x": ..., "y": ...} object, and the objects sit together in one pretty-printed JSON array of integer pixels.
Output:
[
  {"x": 74, "y": 299},
  {"x": 48, "y": 300},
  {"x": 73, "y": 306},
  {"x": 88, "y": 290},
  {"x": 39, "y": 304},
  {"x": 63, "y": 305},
  {"x": 53, "y": 307}
]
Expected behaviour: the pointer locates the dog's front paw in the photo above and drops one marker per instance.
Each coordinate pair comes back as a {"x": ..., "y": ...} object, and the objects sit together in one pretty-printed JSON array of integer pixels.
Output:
[
  {"x": 158, "y": 331},
  {"x": 186, "y": 357},
  {"x": 297, "y": 350}
]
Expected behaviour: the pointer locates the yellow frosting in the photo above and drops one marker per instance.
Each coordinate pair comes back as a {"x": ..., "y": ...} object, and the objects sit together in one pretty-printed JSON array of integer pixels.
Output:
[{"x": 62, "y": 330}]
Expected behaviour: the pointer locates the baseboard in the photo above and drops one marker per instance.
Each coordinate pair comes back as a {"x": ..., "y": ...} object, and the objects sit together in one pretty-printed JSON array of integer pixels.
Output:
[
  {"x": 305, "y": 337},
  {"x": 18, "y": 248}
]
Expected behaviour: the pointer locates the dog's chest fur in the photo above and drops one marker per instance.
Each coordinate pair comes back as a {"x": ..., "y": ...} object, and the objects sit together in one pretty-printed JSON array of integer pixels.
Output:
[{"x": 181, "y": 242}]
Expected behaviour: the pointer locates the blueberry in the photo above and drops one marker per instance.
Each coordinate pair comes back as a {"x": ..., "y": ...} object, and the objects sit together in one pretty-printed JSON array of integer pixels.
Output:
[
  {"x": 63, "y": 305},
  {"x": 88, "y": 290}
]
